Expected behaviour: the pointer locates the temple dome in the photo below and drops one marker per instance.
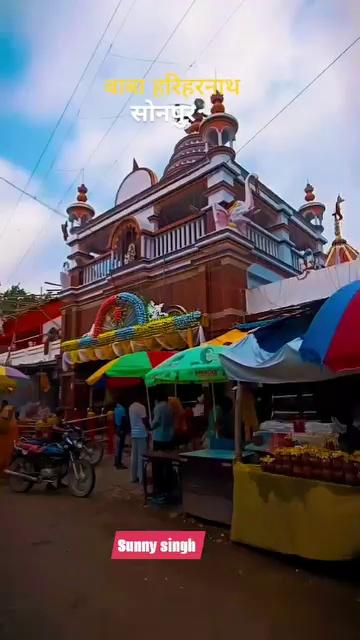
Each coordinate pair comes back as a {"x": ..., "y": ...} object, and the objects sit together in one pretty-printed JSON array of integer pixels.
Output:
[
  {"x": 135, "y": 182},
  {"x": 188, "y": 152}
]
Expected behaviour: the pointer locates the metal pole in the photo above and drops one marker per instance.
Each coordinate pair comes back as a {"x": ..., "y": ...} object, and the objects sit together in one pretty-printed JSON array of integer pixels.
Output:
[
  {"x": 91, "y": 397},
  {"x": 148, "y": 401},
  {"x": 213, "y": 402},
  {"x": 238, "y": 422}
]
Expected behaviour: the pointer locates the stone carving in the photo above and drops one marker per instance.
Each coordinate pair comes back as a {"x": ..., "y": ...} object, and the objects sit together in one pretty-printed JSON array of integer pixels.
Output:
[
  {"x": 155, "y": 311},
  {"x": 240, "y": 208}
]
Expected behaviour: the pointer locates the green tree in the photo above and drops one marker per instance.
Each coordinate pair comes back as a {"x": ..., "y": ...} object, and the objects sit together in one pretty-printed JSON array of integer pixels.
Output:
[{"x": 16, "y": 299}]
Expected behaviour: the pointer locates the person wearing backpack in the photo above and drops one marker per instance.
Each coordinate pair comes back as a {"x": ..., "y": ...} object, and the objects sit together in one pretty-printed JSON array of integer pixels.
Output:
[{"x": 121, "y": 428}]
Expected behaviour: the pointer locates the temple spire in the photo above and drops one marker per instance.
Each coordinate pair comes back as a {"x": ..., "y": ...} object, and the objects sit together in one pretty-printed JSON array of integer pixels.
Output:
[
  {"x": 338, "y": 217},
  {"x": 340, "y": 250}
]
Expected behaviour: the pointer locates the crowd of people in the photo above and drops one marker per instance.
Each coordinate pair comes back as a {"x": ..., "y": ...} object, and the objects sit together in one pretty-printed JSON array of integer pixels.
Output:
[{"x": 170, "y": 426}]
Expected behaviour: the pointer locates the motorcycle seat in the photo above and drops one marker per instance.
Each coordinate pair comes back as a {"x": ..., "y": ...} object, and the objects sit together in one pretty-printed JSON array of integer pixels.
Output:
[{"x": 31, "y": 447}]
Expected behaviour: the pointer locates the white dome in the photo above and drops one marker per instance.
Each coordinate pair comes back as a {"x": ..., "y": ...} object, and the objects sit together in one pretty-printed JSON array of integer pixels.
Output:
[{"x": 134, "y": 183}]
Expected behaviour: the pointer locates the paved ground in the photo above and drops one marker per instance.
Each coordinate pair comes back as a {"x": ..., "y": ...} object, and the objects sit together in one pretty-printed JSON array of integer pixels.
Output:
[{"x": 58, "y": 582}]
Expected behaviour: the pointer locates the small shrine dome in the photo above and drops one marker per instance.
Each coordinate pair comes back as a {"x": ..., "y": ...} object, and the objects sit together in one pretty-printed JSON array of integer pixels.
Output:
[
  {"x": 312, "y": 211},
  {"x": 80, "y": 211},
  {"x": 219, "y": 128},
  {"x": 138, "y": 180}
]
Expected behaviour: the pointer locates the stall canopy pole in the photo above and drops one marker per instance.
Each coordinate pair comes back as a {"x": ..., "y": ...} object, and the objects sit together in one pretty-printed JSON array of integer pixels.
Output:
[
  {"x": 213, "y": 402},
  {"x": 238, "y": 422},
  {"x": 148, "y": 401},
  {"x": 91, "y": 397}
]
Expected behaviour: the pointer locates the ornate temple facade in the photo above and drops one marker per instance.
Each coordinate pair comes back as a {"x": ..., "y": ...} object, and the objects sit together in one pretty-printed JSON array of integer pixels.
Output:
[{"x": 194, "y": 239}]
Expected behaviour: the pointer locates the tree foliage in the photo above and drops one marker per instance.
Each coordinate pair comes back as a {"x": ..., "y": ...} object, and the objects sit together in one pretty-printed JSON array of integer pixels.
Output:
[{"x": 16, "y": 300}]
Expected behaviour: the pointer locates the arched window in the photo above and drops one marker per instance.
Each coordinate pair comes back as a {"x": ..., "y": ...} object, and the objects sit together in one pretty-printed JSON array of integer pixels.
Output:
[
  {"x": 227, "y": 136},
  {"x": 212, "y": 138},
  {"x": 125, "y": 242}
]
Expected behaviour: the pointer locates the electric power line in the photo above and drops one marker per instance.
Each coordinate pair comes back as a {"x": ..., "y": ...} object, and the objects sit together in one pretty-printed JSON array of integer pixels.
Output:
[
  {"x": 154, "y": 61},
  {"x": 300, "y": 93},
  {"x": 231, "y": 15},
  {"x": 30, "y": 195},
  {"x": 59, "y": 120},
  {"x": 116, "y": 119},
  {"x": 107, "y": 52}
]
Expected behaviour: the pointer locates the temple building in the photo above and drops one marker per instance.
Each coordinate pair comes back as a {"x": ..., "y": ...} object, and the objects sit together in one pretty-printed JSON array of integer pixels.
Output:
[{"x": 190, "y": 242}]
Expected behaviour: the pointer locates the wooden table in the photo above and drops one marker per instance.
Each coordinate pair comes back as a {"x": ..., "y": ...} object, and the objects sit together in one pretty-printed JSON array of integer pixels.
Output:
[{"x": 207, "y": 484}]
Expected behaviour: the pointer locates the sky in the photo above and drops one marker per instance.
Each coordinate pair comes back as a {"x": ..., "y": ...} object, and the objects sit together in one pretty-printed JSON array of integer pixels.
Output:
[{"x": 275, "y": 47}]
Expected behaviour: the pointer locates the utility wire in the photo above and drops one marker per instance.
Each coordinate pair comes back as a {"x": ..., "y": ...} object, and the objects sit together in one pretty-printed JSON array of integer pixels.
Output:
[
  {"x": 300, "y": 93},
  {"x": 213, "y": 38},
  {"x": 116, "y": 120},
  {"x": 154, "y": 61},
  {"x": 106, "y": 54},
  {"x": 59, "y": 120},
  {"x": 30, "y": 195},
  {"x": 157, "y": 59}
]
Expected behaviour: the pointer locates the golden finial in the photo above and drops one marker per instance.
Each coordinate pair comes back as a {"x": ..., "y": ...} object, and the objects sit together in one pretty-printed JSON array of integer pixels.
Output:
[
  {"x": 309, "y": 192},
  {"x": 217, "y": 100},
  {"x": 82, "y": 191}
]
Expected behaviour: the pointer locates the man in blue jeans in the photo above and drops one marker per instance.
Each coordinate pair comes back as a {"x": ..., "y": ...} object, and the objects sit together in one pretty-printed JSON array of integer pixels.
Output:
[
  {"x": 162, "y": 426},
  {"x": 121, "y": 428},
  {"x": 139, "y": 426}
]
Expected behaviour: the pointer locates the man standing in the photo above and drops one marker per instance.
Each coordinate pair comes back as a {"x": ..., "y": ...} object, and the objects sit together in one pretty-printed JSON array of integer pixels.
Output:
[
  {"x": 121, "y": 427},
  {"x": 162, "y": 427},
  {"x": 139, "y": 424},
  {"x": 162, "y": 424}
]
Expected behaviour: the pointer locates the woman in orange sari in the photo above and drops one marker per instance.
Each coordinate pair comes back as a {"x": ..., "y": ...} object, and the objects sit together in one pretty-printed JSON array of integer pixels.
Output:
[{"x": 8, "y": 433}]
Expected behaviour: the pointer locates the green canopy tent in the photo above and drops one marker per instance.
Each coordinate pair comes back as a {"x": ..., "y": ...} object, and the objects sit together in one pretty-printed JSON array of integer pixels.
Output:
[{"x": 197, "y": 365}]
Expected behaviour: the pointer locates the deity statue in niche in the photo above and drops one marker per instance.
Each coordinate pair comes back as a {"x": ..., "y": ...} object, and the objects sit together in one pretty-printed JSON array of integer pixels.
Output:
[
  {"x": 130, "y": 256},
  {"x": 125, "y": 242}
]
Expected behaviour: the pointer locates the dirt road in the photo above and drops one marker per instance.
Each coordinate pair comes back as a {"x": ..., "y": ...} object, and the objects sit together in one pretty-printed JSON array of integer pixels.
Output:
[{"x": 58, "y": 582}]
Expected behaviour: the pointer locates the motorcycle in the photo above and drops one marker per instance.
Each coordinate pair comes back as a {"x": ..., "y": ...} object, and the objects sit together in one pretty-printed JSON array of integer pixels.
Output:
[
  {"x": 92, "y": 450},
  {"x": 51, "y": 462}
]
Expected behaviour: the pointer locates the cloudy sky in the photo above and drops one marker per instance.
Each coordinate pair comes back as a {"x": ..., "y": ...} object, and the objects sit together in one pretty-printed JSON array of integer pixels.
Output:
[{"x": 275, "y": 47}]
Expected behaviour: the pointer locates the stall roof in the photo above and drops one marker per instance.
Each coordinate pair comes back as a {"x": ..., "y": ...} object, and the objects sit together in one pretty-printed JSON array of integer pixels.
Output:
[
  {"x": 309, "y": 286},
  {"x": 248, "y": 362}
]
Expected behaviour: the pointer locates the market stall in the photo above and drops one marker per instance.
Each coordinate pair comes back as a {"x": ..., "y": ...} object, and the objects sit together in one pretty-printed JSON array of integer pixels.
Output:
[
  {"x": 303, "y": 500},
  {"x": 9, "y": 379},
  {"x": 206, "y": 474},
  {"x": 308, "y": 518}
]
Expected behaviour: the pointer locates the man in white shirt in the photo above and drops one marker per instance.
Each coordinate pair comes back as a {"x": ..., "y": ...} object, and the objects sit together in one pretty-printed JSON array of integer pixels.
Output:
[{"x": 139, "y": 425}]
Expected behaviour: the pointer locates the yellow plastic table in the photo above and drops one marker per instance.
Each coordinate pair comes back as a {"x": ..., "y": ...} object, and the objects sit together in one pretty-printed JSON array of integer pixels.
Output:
[{"x": 308, "y": 518}]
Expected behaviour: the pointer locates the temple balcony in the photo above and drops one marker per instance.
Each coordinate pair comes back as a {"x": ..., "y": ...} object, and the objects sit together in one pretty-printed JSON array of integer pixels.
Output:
[{"x": 187, "y": 237}]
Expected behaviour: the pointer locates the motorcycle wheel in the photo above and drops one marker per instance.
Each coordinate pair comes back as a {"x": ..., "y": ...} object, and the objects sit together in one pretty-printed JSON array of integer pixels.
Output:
[
  {"x": 94, "y": 453},
  {"x": 82, "y": 486},
  {"x": 20, "y": 485}
]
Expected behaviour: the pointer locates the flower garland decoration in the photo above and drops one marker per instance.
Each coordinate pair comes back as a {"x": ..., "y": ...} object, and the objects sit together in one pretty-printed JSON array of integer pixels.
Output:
[
  {"x": 116, "y": 302},
  {"x": 150, "y": 329}
]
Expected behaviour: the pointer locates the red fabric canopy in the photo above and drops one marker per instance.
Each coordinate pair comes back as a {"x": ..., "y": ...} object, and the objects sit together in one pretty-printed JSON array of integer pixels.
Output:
[
  {"x": 120, "y": 383},
  {"x": 31, "y": 322}
]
